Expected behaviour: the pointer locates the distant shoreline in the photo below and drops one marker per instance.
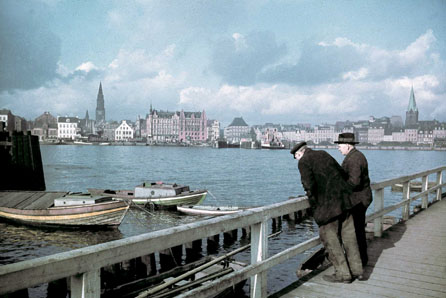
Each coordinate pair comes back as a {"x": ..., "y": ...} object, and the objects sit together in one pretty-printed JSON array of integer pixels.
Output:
[{"x": 377, "y": 147}]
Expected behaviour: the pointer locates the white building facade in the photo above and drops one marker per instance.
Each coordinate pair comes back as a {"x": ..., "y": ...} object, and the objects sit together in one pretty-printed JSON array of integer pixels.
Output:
[
  {"x": 68, "y": 127},
  {"x": 124, "y": 132}
]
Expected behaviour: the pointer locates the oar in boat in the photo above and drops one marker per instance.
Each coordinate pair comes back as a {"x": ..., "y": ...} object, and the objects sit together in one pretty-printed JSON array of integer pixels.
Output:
[{"x": 198, "y": 269}]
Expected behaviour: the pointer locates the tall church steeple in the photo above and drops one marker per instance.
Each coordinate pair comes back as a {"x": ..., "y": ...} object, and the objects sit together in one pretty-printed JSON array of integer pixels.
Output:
[
  {"x": 412, "y": 111},
  {"x": 100, "y": 109}
]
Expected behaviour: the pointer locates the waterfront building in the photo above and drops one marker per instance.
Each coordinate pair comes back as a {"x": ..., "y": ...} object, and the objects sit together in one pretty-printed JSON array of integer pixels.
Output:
[
  {"x": 411, "y": 135},
  {"x": 324, "y": 133},
  {"x": 439, "y": 132},
  {"x": 107, "y": 132},
  {"x": 140, "y": 128},
  {"x": 425, "y": 137},
  {"x": 20, "y": 124},
  {"x": 87, "y": 125},
  {"x": 45, "y": 127},
  {"x": 412, "y": 111},
  {"x": 398, "y": 136},
  {"x": 237, "y": 130},
  {"x": 124, "y": 132},
  {"x": 375, "y": 135},
  {"x": 100, "y": 107},
  {"x": 362, "y": 135},
  {"x": 67, "y": 127},
  {"x": 173, "y": 127},
  {"x": 213, "y": 127},
  {"x": 396, "y": 122},
  {"x": 7, "y": 117}
]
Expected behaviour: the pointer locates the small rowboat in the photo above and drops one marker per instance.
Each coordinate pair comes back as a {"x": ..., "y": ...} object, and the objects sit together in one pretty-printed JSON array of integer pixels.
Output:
[
  {"x": 209, "y": 210},
  {"x": 61, "y": 209}
]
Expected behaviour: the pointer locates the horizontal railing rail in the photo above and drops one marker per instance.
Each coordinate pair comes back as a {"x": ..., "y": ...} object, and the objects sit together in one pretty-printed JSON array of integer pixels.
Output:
[{"x": 83, "y": 265}]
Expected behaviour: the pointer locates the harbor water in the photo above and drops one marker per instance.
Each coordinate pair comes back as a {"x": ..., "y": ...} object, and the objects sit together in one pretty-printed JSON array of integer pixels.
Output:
[{"x": 233, "y": 177}]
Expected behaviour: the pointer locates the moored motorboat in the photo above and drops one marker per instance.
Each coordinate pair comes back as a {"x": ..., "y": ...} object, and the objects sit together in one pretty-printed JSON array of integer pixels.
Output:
[
  {"x": 204, "y": 210},
  {"x": 159, "y": 194},
  {"x": 61, "y": 209}
]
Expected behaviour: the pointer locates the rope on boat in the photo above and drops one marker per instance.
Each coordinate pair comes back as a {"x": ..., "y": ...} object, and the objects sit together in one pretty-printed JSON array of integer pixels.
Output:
[{"x": 130, "y": 203}]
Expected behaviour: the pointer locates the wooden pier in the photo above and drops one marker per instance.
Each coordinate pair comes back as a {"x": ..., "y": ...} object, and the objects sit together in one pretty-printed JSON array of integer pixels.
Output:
[{"x": 408, "y": 260}]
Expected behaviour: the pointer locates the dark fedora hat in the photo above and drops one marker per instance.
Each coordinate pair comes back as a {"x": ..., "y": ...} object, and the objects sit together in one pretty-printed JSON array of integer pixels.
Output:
[
  {"x": 346, "y": 138},
  {"x": 297, "y": 147}
]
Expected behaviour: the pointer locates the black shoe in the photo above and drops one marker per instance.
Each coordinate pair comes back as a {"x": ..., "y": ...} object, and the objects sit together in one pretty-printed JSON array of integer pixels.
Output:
[{"x": 334, "y": 278}]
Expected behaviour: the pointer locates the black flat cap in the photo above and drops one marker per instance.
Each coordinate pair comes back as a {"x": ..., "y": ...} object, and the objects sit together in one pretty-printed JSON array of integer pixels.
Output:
[{"x": 297, "y": 147}]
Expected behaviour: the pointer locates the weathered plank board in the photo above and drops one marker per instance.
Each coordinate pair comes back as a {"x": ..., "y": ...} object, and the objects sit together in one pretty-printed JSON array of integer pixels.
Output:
[{"x": 408, "y": 261}]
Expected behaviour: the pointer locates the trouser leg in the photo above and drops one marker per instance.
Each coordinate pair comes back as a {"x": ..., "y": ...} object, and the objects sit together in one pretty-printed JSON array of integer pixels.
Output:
[
  {"x": 329, "y": 238},
  {"x": 358, "y": 213},
  {"x": 350, "y": 243}
]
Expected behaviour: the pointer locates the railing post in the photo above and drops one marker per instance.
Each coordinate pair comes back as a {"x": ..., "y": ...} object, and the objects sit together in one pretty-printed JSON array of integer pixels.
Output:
[
  {"x": 86, "y": 285},
  {"x": 424, "y": 186},
  {"x": 439, "y": 181},
  {"x": 259, "y": 252},
  {"x": 379, "y": 205},
  {"x": 406, "y": 195}
]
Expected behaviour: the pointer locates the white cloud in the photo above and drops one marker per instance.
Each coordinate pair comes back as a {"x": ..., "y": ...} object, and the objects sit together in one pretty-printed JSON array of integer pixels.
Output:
[{"x": 87, "y": 67}]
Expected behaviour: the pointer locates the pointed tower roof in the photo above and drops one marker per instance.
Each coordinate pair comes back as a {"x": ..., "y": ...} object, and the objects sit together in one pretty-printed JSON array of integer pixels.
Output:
[
  {"x": 412, "y": 104},
  {"x": 86, "y": 115},
  {"x": 100, "y": 88}
]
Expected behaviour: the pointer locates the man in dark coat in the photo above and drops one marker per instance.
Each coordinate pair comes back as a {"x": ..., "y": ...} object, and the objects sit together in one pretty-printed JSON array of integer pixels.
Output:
[
  {"x": 329, "y": 196},
  {"x": 357, "y": 170}
]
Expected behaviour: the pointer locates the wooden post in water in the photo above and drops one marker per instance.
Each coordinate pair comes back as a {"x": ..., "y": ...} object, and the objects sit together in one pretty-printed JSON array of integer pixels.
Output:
[
  {"x": 406, "y": 195},
  {"x": 424, "y": 186},
  {"x": 86, "y": 285},
  {"x": 245, "y": 232},
  {"x": 193, "y": 251},
  {"x": 259, "y": 252},
  {"x": 166, "y": 260},
  {"x": 379, "y": 205},
  {"x": 439, "y": 181},
  {"x": 150, "y": 264},
  {"x": 212, "y": 243}
]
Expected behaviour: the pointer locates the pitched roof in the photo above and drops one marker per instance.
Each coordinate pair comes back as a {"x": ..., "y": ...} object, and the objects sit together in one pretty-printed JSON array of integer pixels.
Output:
[{"x": 238, "y": 121}]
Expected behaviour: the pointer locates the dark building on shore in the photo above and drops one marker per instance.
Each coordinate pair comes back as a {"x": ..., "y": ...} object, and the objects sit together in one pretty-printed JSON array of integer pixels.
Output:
[
  {"x": 412, "y": 112},
  {"x": 100, "y": 108}
]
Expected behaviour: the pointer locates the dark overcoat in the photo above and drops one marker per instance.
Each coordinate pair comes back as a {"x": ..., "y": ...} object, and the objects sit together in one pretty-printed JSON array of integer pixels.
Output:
[
  {"x": 356, "y": 166},
  {"x": 324, "y": 184}
]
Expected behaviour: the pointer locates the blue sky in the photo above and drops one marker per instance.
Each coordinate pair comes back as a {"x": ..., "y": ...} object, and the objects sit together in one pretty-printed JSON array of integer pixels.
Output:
[{"x": 268, "y": 61}]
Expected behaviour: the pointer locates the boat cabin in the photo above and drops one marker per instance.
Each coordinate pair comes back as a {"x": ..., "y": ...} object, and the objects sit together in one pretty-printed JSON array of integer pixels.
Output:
[
  {"x": 159, "y": 189},
  {"x": 80, "y": 199}
]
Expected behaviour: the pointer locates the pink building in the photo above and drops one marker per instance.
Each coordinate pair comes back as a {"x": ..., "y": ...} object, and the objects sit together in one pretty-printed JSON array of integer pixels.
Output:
[{"x": 172, "y": 127}]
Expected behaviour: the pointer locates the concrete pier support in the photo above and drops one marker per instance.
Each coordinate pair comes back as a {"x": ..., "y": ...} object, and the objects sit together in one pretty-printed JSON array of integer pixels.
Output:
[
  {"x": 149, "y": 263},
  {"x": 193, "y": 251},
  {"x": 245, "y": 232},
  {"x": 212, "y": 244}
]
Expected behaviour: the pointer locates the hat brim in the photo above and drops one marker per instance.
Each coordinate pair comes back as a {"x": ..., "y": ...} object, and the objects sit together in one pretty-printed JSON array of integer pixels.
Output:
[{"x": 352, "y": 143}]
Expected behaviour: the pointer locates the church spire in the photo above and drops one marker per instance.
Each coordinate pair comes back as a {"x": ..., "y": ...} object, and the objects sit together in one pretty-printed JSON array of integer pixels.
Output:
[
  {"x": 412, "y": 104},
  {"x": 100, "y": 109},
  {"x": 412, "y": 111}
]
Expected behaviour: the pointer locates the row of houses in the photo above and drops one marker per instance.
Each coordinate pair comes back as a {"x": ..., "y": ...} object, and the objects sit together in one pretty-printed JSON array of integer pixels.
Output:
[{"x": 194, "y": 127}]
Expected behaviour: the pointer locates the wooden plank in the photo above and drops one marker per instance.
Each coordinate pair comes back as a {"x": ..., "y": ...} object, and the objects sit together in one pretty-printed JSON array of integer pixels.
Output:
[
  {"x": 387, "y": 274},
  {"x": 382, "y": 277},
  {"x": 35, "y": 197},
  {"x": 11, "y": 199},
  {"x": 46, "y": 201}
]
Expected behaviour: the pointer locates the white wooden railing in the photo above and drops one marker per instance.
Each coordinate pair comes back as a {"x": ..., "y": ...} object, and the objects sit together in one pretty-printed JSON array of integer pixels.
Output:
[{"x": 83, "y": 265}]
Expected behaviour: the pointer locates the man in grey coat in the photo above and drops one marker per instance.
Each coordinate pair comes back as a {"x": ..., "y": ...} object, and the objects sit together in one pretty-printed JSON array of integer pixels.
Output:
[
  {"x": 356, "y": 167},
  {"x": 329, "y": 196}
]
